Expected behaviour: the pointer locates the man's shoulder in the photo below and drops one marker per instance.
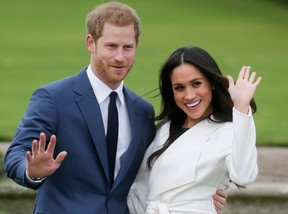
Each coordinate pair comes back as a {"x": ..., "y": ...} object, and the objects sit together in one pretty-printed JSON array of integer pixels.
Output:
[
  {"x": 135, "y": 97},
  {"x": 139, "y": 103},
  {"x": 63, "y": 82},
  {"x": 61, "y": 87}
]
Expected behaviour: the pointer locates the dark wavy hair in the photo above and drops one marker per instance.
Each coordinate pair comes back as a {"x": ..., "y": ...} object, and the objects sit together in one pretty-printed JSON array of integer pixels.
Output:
[{"x": 221, "y": 101}]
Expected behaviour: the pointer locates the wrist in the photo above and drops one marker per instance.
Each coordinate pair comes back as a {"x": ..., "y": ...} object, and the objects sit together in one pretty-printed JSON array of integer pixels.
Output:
[
  {"x": 242, "y": 107},
  {"x": 34, "y": 179}
]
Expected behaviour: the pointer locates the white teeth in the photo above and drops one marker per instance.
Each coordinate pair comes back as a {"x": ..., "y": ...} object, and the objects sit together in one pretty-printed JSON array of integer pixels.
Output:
[{"x": 190, "y": 105}]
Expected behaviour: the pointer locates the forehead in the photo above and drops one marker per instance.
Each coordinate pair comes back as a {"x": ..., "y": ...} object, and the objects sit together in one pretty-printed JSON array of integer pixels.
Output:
[
  {"x": 118, "y": 34},
  {"x": 186, "y": 73}
]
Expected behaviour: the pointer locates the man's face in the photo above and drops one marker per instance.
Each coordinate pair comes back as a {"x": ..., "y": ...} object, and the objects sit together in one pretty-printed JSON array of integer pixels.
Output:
[{"x": 112, "y": 56}]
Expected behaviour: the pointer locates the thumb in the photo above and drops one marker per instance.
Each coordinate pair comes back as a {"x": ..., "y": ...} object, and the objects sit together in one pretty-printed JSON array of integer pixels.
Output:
[
  {"x": 60, "y": 157},
  {"x": 230, "y": 80}
]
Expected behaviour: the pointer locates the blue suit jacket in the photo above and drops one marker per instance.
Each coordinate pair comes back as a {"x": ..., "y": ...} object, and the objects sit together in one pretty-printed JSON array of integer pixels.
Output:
[{"x": 69, "y": 109}]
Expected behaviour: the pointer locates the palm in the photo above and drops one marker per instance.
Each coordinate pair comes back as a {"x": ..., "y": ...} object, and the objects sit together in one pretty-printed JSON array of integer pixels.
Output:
[
  {"x": 41, "y": 162},
  {"x": 243, "y": 90}
]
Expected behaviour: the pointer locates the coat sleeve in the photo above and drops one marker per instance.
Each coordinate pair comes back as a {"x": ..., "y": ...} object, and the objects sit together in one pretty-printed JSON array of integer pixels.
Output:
[
  {"x": 39, "y": 117},
  {"x": 242, "y": 163}
]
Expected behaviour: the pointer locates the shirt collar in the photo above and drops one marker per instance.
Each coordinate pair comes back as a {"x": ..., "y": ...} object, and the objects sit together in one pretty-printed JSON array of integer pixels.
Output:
[{"x": 101, "y": 90}]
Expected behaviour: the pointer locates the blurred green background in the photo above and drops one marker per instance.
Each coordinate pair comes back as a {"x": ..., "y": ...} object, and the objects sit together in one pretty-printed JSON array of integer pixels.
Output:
[{"x": 41, "y": 41}]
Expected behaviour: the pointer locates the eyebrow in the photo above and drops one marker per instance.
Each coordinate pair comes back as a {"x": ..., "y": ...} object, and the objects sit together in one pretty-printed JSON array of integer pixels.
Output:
[
  {"x": 196, "y": 79},
  {"x": 118, "y": 45}
]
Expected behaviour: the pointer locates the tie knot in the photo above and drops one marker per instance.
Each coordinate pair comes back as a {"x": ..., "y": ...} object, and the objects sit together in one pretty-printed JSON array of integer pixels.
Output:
[{"x": 113, "y": 95}]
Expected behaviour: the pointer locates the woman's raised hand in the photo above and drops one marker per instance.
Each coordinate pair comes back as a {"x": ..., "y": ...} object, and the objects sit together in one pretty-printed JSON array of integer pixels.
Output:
[{"x": 243, "y": 89}]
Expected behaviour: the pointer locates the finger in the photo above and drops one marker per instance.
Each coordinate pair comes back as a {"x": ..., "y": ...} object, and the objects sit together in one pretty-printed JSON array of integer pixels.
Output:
[
  {"x": 220, "y": 199},
  {"x": 42, "y": 142},
  {"x": 28, "y": 156},
  {"x": 34, "y": 148},
  {"x": 252, "y": 77},
  {"x": 258, "y": 81},
  {"x": 51, "y": 145},
  {"x": 60, "y": 157},
  {"x": 222, "y": 193},
  {"x": 242, "y": 73},
  {"x": 218, "y": 206},
  {"x": 246, "y": 72}
]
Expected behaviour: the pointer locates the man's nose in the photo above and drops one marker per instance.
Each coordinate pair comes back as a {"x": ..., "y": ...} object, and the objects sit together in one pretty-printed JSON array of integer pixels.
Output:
[{"x": 119, "y": 55}]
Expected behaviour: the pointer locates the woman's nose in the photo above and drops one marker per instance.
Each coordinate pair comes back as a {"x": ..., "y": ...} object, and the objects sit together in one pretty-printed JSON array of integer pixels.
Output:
[{"x": 189, "y": 94}]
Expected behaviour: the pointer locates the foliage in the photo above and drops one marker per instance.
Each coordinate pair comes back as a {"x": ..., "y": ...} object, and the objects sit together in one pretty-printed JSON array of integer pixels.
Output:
[
  {"x": 42, "y": 41},
  {"x": 1, "y": 164}
]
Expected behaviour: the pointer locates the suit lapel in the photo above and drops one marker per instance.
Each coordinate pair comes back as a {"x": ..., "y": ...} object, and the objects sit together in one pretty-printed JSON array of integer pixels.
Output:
[{"x": 90, "y": 110}]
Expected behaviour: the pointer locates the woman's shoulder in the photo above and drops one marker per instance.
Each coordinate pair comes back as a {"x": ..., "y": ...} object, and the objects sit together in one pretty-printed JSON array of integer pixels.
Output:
[{"x": 220, "y": 127}]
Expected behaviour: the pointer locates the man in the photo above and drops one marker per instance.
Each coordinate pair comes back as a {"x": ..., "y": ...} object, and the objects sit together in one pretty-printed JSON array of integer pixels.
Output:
[{"x": 75, "y": 110}]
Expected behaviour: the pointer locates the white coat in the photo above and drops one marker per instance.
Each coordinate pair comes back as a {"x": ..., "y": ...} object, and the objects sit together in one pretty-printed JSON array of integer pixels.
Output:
[{"x": 203, "y": 159}]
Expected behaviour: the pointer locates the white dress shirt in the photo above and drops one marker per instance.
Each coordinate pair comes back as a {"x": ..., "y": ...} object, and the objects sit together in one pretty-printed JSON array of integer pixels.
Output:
[{"x": 102, "y": 93}]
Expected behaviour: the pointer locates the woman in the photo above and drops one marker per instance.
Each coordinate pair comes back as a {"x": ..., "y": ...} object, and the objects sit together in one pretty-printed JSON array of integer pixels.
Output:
[{"x": 205, "y": 139}]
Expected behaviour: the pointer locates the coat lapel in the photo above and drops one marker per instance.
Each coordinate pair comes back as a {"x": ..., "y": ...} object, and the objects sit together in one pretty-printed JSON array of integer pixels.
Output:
[
  {"x": 180, "y": 158},
  {"x": 90, "y": 110}
]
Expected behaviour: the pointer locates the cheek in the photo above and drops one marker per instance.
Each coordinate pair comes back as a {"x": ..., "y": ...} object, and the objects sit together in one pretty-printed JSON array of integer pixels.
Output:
[
  {"x": 99, "y": 61},
  {"x": 103, "y": 57},
  {"x": 103, "y": 54},
  {"x": 208, "y": 96},
  {"x": 130, "y": 57},
  {"x": 177, "y": 98}
]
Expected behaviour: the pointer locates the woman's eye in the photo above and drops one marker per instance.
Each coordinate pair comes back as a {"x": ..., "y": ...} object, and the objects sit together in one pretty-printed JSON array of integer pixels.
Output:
[
  {"x": 178, "y": 88},
  {"x": 196, "y": 84}
]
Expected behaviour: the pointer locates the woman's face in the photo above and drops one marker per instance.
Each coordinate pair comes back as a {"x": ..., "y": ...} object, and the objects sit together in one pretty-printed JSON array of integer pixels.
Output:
[{"x": 192, "y": 93}]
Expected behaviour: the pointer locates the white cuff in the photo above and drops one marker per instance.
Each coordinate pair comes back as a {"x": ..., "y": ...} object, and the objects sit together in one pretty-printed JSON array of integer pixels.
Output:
[
  {"x": 34, "y": 180},
  {"x": 249, "y": 114}
]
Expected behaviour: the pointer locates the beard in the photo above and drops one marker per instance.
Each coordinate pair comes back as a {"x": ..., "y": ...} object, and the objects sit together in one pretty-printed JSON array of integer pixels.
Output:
[{"x": 108, "y": 73}]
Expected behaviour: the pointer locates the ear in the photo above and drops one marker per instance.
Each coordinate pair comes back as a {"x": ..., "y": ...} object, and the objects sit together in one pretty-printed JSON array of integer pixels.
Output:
[
  {"x": 90, "y": 43},
  {"x": 212, "y": 86}
]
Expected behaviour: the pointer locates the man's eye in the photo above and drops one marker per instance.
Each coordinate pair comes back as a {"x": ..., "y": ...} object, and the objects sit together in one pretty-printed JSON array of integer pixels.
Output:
[
  {"x": 128, "y": 47},
  {"x": 111, "y": 46}
]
